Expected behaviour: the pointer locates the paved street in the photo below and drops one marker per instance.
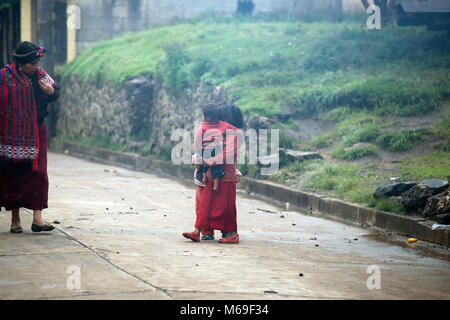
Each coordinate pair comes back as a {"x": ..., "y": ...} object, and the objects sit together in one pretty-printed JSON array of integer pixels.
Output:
[{"x": 119, "y": 237}]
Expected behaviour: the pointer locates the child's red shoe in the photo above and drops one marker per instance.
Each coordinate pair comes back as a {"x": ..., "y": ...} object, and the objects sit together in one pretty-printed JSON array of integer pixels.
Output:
[
  {"x": 230, "y": 239},
  {"x": 192, "y": 235}
]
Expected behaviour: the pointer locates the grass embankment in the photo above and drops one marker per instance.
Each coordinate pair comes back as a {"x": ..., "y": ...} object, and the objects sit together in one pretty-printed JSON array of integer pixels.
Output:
[{"x": 341, "y": 73}]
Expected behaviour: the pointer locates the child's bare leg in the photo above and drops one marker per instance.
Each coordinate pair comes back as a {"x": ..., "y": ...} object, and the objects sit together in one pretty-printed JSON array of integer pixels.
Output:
[
  {"x": 15, "y": 218},
  {"x": 216, "y": 184}
]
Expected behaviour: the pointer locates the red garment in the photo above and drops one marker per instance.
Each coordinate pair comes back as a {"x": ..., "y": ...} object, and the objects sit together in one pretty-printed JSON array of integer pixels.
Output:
[
  {"x": 23, "y": 108},
  {"x": 198, "y": 196},
  {"x": 20, "y": 186},
  {"x": 228, "y": 135},
  {"x": 19, "y": 140},
  {"x": 217, "y": 210}
]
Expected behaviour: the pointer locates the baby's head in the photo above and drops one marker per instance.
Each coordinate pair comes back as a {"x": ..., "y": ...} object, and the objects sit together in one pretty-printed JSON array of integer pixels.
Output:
[{"x": 212, "y": 113}]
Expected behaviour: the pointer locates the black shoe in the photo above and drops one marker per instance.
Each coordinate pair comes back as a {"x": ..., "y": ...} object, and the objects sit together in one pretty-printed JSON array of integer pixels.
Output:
[
  {"x": 17, "y": 229},
  {"x": 38, "y": 228}
]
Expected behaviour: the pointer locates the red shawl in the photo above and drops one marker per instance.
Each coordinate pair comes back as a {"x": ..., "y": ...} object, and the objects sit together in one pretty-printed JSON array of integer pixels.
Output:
[{"x": 19, "y": 138}]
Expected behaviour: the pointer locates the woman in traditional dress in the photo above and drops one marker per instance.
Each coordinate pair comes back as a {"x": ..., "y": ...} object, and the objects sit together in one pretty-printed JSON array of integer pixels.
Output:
[
  {"x": 25, "y": 91},
  {"x": 217, "y": 210}
]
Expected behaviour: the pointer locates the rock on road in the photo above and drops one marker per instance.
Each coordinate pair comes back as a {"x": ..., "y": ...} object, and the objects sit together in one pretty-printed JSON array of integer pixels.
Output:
[{"x": 120, "y": 237}]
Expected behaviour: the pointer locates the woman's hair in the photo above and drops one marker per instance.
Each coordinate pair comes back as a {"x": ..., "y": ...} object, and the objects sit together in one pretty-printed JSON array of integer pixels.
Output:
[
  {"x": 212, "y": 113},
  {"x": 233, "y": 115},
  {"x": 27, "y": 52}
]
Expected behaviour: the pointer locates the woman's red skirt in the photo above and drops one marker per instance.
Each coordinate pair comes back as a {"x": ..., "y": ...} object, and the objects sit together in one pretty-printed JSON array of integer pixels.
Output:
[
  {"x": 20, "y": 187},
  {"x": 217, "y": 210}
]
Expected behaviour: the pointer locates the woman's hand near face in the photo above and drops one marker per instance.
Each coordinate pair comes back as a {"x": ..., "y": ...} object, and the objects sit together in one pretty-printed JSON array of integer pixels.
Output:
[{"x": 46, "y": 87}]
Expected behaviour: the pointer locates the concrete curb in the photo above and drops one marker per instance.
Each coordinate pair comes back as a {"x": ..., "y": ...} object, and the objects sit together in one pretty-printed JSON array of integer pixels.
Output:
[{"x": 304, "y": 201}]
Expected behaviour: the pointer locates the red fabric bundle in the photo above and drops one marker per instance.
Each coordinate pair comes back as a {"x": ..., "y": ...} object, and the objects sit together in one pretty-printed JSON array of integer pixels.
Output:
[{"x": 19, "y": 138}]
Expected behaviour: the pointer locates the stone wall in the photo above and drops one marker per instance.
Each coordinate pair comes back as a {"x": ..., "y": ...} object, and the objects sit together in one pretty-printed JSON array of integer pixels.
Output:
[{"x": 139, "y": 115}]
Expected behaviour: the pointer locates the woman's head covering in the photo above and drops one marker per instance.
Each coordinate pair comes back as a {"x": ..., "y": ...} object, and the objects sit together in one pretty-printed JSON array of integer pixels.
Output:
[{"x": 27, "y": 52}]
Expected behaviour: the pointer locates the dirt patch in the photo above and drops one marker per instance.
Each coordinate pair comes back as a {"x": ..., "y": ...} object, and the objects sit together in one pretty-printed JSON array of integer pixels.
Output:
[
  {"x": 306, "y": 129},
  {"x": 416, "y": 122}
]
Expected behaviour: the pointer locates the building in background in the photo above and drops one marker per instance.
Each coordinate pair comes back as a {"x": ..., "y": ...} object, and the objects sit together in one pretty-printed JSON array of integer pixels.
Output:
[
  {"x": 9, "y": 29},
  {"x": 40, "y": 21},
  {"x": 433, "y": 14}
]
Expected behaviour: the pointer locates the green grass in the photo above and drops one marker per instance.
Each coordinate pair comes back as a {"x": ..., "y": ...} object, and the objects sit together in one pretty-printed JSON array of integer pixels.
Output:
[
  {"x": 366, "y": 126},
  {"x": 354, "y": 153},
  {"x": 403, "y": 140},
  {"x": 276, "y": 67},
  {"x": 441, "y": 131},
  {"x": 433, "y": 165},
  {"x": 98, "y": 141},
  {"x": 384, "y": 204},
  {"x": 292, "y": 170},
  {"x": 343, "y": 181},
  {"x": 322, "y": 141}
]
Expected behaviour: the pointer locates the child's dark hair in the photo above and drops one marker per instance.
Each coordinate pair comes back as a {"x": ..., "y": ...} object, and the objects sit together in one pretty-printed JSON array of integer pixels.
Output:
[
  {"x": 212, "y": 113},
  {"x": 233, "y": 115}
]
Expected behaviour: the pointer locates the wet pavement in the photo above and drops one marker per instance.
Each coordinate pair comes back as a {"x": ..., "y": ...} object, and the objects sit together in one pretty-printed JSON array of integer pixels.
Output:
[{"x": 119, "y": 237}]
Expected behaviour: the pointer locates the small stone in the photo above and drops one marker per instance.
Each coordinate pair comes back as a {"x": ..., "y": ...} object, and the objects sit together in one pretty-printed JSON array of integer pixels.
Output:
[
  {"x": 293, "y": 155},
  {"x": 300, "y": 274},
  {"x": 316, "y": 245},
  {"x": 270, "y": 292},
  {"x": 282, "y": 216},
  {"x": 56, "y": 222}
]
